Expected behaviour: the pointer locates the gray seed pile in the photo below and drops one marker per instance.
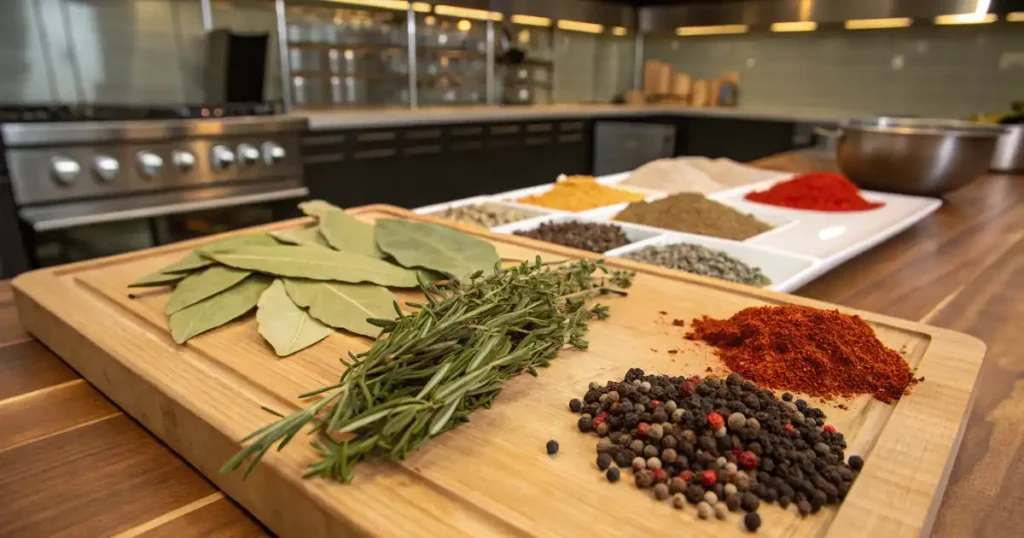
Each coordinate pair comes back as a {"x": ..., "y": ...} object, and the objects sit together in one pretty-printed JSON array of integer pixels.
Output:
[
  {"x": 582, "y": 235},
  {"x": 701, "y": 261},
  {"x": 486, "y": 215}
]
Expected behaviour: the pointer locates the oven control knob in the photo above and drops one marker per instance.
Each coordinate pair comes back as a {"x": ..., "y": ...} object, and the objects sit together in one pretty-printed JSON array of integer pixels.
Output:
[
  {"x": 247, "y": 154},
  {"x": 273, "y": 153},
  {"x": 222, "y": 157},
  {"x": 65, "y": 170},
  {"x": 150, "y": 164},
  {"x": 183, "y": 161},
  {"x": 105, "y": 167}
]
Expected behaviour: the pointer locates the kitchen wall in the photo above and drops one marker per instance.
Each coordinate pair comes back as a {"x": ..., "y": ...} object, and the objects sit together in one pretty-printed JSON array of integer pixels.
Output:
[
  {"x": 590, "y": 67},
  {"x": 118, "y": 51},
  {"x": 924, "y": 70}
]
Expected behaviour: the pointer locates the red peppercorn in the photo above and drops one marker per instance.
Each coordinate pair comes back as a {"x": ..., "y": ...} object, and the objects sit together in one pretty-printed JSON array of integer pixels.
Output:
[
  {"x": 696, "y": 379},
  {"x": 687, "y": 475},
  {"x": 687, "y": 388},
  {"x": 747, "y": 459},
  {"x": 598, "y": 420},
  {"x": 659, "y": 476},
  {"x": 789, "y": 429},
  {"x": 829, "y": 428},
  {"x": 708, "y": 478},
  {"x": 603, "y": 415},
  {"x": 715, "y": 420},
  {"x": 655, "y": 403},
  {"x": 642, "y": 429}
]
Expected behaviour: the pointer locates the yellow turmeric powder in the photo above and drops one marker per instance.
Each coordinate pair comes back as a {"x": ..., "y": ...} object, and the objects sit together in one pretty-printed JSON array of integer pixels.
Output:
[{"x": 579, "y": 193}]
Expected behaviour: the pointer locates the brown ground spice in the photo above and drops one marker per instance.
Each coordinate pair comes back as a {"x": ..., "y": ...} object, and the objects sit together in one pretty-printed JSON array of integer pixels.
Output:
[
  {"x": 818, "y": 352},
  {"x": 693, "y": 213}
]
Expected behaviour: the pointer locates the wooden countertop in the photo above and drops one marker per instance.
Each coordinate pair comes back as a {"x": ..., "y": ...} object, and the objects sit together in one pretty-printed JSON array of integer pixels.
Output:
[{"x": 71, "y": 463}]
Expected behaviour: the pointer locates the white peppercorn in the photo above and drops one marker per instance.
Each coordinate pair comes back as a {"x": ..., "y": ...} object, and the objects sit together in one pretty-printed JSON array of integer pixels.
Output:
[
  {"x": 710, "y": 497},
  {"x": 661, "y": 491},
  {"x": 653, "y": 464},
  {"x": 679, "y": 501},
  {"x": 731, "y": 467},
  {"x": 737, "y": 421},
  {"x": 721, "y": 511},
  {"x": 704, "y": 510},
  {"x": 639, "y": 464},
  {"x": 730, "y": 489},
  {"x": 669, "y": 455}
]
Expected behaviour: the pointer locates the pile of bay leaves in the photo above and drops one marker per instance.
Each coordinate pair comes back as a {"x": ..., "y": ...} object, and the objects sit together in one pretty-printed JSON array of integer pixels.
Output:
[{"x": 306, "y": 283}]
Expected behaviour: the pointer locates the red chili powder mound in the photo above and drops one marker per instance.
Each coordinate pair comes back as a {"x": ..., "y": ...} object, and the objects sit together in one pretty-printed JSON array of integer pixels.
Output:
[
  {"x": 818, "y": 352},
  {"x": 821, "y": 191}
]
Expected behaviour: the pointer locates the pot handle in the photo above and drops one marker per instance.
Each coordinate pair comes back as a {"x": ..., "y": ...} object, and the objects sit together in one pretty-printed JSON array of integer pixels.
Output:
[{"x": 827, "y": 133}]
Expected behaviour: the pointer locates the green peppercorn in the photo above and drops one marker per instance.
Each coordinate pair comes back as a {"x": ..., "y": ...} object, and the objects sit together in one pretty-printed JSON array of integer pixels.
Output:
[
  {"x": 752, "y": 521},
  {"x": 604, "y": 461},
  {"x": 601, "y": 429},
  {"x": 612, "y": 474},
  {"x": 650, "y": 451},
  {"x": 637, "y": 446},
  {"x": 670, "y": 407},
  {"x": 661, "y": 491},
  {"x": 643, "y": 478}
]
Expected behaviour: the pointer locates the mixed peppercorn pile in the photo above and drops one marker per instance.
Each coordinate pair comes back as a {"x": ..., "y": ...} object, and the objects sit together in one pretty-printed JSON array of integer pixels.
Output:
[{"x": 720, "y": 444}]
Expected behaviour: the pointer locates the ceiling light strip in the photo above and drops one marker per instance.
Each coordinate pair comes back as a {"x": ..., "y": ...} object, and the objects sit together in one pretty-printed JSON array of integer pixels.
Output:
[
  {"x": 874, "y": 24},
  {"x": 530, "y": 20},
  {"x": 796, "y": 26},
  {"x": 966, "y": 18},
  {"x": 712, "y": 30},
  {"x": 577, "y": 26},
  {"x": 467, "y": 13}
]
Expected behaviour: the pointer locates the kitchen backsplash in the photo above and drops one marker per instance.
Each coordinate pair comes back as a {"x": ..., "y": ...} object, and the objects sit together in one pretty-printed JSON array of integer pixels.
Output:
[{"x": 947, "y": 71}]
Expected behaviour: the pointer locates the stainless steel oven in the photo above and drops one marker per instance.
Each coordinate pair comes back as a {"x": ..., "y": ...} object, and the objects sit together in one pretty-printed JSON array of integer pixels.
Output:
[{"x": 86, "y": 189}]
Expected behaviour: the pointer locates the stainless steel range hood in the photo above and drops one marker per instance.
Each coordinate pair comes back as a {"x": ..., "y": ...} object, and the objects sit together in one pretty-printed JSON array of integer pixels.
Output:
[{"x": 762, "y": 13}]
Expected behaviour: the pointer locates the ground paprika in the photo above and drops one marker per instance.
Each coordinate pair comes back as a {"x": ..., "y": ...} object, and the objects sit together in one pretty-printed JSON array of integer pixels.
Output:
[
  {"x": 820, "y": 191},
  {"x": 818, "y": 352}
]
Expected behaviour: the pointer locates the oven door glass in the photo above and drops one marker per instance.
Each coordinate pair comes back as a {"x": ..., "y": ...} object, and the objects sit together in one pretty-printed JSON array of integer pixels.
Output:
[{"x": 105, "y": 239}]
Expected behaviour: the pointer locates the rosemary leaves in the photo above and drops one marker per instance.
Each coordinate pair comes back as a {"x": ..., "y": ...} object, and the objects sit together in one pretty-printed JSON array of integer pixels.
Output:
[{"x": 430, "y": 369}]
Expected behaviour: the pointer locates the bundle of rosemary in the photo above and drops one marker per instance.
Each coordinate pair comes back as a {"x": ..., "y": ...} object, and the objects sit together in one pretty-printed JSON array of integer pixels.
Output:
[{"x": 429, "y": 370}]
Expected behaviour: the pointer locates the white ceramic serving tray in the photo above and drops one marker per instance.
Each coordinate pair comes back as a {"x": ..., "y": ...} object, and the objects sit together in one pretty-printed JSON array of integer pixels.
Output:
[
  {"x": 786, "y": 271},
  {"x": 633, "y": 232},
  {"x": 513, "y": 196},
  {"x": 531, "y": 210}
]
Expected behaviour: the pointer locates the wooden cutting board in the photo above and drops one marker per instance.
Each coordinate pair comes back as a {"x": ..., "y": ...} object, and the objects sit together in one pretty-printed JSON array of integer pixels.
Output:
[{"x": 492, "y": 476}]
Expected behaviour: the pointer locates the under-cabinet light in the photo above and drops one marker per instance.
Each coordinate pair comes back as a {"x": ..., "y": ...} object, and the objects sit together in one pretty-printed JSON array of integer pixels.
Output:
[
  {"x": 530, "y": 20},
  {"x": 400, "y": 5},
  {"x": 464, "y": 25},
  {"x": 966, "y": 18},
  {"x": 1016, "y": 16},
  {"x": 421, "y": 7},
  {"x": 467, "y": 13},
  {"x": 796, "y": 26},
  {"x": 874, "y": 24},
  {"x": 620, "y": 31},
  {"x": 576, "y": 26},
  {"x": 712, "y": 30}
]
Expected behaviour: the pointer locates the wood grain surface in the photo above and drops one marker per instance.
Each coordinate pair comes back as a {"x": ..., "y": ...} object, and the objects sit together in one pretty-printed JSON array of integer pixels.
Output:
[
  {"x": 914, "y": 275},
  {"x": 201, "y": 398}
]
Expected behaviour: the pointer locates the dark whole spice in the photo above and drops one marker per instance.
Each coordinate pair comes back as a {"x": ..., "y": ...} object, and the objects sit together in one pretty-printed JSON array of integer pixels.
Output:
[
  {"x": 612, "y": 474},
  {"x": 764, "y": 456},
  {"x": 552, "y": 447},
  {"x": 752, "y": 521},
  {"x": 693, "y": 213},
  {"x": 604, "y": 461},
  {"x": 590, "y": 236},
  {"x": 702, "y": 261},
  {"x": 818, "y": 352}
]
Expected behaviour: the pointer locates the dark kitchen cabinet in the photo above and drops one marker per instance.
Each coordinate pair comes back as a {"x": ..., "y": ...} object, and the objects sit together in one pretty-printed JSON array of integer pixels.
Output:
[
  {"x": 741, "y": 140},
  {"x": 416, "y": 166}
]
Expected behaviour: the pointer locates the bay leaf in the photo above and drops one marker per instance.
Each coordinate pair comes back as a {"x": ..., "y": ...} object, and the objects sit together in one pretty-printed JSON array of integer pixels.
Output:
[
  {"x": 316, "y": 263},
  {"x": 284, "y": 325},
  {"x": 199, "y": 286},
  {"x": 217, "y": 310},
  {"x": 304, "y": 236},
  {"x": 316, "y": 208},
  {"x": 195, "y": 260},
  {"x": 432, "y": 246},
  {"x": 343, "y": 306},
  {"x": 348, "y": 234}
]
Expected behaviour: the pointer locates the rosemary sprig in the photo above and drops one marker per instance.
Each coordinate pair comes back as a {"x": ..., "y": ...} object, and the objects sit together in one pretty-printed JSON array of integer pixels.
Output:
[{"x": 429, "y": 370}]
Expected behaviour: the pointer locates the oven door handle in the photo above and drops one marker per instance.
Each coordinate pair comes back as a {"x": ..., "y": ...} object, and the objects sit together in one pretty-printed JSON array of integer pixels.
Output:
[{"x": 58, "y": 223}]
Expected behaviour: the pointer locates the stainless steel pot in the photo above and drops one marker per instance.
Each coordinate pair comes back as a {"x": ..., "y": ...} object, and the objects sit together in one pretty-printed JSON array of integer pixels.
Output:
[
  {"x": 1009, "y": 155},
  {"x": 926, "y": 157}
]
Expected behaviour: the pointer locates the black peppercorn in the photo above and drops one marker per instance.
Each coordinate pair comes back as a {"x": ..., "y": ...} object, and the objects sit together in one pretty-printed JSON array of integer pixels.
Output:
[
  {"x": 612, "y": 474},
  {"x": 585, "y": 424},
  {"x": 624, "y": 458},
  {"x": 856, "y": 463},
  {"x": 752, "y": 521},
  {"x": 694, "y": 493},
  {"x": 787, "y": 397},
  {"x": 575, "y": 405},
  {"x": 784, "y": 501},
  {"x": 552, "y": 447},
  {"x": 749, "y": 502},
  {"x": 804, "y": 507},
  {"x": 801, "y": 405},
  {"x": 604, "y": 461},
  {"x": 732, "y": 502}
]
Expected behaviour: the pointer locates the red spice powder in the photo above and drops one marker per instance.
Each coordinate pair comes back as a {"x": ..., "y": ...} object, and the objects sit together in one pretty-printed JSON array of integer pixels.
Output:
[
  {"x": 818, "y": 352},
  {"x": 821, "y": 191}
]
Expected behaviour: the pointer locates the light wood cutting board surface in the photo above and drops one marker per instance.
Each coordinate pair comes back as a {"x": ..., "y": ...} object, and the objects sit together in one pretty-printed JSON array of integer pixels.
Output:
[{"x": 491, "y": 476}]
